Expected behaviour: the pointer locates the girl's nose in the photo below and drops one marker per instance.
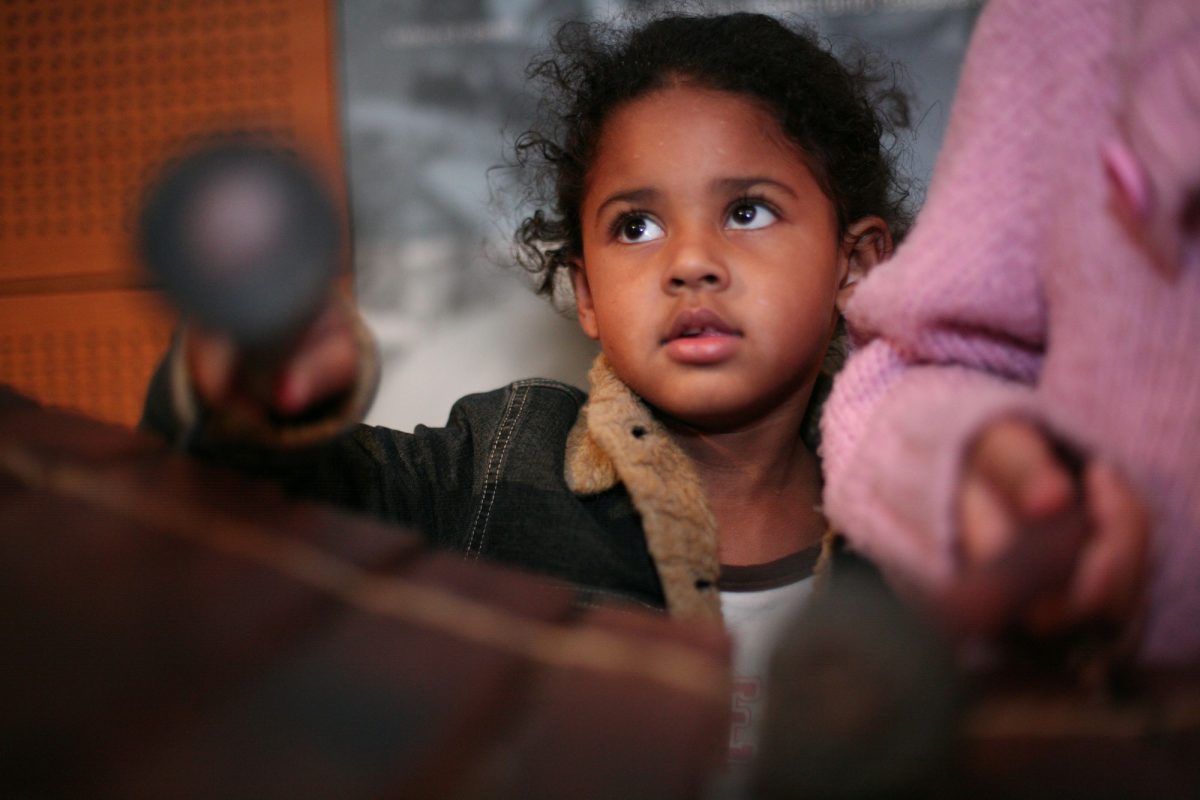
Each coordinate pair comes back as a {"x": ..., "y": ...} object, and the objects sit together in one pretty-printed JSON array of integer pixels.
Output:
[{"x": 695, "y": 264}]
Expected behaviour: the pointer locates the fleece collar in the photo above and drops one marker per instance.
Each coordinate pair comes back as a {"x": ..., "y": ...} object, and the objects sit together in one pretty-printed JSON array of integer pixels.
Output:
[{"x": 617, "y": 440}]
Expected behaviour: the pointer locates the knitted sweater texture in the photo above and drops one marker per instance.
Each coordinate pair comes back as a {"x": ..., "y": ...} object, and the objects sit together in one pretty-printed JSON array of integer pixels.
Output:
[{"x": 1020, "y": 292}]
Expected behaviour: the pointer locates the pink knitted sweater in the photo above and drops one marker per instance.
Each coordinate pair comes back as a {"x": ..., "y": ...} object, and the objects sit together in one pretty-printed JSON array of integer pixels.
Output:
[{"x": 1019, "y": 291}]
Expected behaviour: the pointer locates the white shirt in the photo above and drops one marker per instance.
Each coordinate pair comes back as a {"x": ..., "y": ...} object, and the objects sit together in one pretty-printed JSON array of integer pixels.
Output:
[{"x": 758, "y": 602}]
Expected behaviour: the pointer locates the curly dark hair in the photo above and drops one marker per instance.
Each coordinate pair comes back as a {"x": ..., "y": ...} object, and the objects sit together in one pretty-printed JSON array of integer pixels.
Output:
[{"x": 843, "y": 115}]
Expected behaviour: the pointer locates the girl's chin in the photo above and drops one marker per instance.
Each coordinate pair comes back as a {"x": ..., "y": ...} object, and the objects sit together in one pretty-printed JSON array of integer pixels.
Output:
[
  {"x": 717, "y": 402},
  {"x": 706, "y": 416}
]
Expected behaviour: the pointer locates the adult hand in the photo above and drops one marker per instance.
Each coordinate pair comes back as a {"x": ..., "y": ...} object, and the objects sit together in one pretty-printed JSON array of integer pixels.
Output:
[{"x": 1014, "y": 482}]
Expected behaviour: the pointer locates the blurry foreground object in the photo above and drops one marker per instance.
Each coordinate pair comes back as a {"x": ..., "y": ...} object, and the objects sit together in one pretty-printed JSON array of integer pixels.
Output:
[
  {"x": 243, "y": 238},
  {"x": 170, "y": 630},
  {"x": 876, "y": 698},
  {"x": 864, "y": 697}
]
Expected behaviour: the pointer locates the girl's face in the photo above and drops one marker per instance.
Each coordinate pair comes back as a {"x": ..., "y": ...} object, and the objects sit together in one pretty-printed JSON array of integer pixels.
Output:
[{"x": 711, "y": 259}]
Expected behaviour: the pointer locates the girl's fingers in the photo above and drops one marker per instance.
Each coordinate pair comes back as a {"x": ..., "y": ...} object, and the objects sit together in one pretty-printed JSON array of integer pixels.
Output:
[
  {"x": 326, "y": 369},
  {"x": 1111, "y": 573},
  {"x": 211, "y": 361},
  {"x": 324, "y": 365}
]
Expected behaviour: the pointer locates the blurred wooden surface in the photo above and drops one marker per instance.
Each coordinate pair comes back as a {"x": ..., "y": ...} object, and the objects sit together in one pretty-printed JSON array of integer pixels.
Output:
[{"x": 170, "y": 630}]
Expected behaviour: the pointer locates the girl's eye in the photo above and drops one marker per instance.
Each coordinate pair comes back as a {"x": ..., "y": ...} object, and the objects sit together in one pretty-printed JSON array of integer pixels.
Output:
[
  {"x": 749, "y": 215},
  {"x": 636, "y": 228}
]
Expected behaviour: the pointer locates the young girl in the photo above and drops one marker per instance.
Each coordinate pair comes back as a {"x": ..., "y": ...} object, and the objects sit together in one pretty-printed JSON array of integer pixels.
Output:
[
  {"x": 718, "y": 187},
  {"x": 1041, "y": 308}
]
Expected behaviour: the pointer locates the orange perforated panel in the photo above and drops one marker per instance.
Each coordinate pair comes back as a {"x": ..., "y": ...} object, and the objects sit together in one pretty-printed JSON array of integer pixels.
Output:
[
  {"x": 94, "y": 95},
  {"x": 92, "y": 351}
]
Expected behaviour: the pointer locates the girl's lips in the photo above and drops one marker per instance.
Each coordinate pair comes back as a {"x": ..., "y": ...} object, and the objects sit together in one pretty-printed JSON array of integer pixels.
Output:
[
  {"x": 700, "y": 336},
  {"x": 701, "y": 322},
  {"x": 703, "y": 350}
]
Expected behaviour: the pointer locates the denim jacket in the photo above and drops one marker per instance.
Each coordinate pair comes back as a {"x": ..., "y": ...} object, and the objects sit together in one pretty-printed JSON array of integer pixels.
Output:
[{"x": 534, "y": 475}]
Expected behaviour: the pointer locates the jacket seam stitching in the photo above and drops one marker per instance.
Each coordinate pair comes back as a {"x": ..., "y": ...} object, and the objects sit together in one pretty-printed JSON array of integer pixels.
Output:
[
  {"x": 541, "y": 383},
  {"x": 491, "y": 479}
]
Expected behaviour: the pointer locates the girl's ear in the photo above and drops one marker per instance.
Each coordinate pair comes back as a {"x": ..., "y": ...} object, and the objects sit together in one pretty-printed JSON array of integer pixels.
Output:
[
  {"x": 866, "y": 243},
  {"x": 584, "y": 307}
]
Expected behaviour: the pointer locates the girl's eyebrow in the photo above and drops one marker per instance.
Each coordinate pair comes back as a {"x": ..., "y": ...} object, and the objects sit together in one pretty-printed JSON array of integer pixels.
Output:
[
  {"x": 732, "y": 185},
  {"x": 633, "y": 196},
  {"x": 647, "y": 194}
]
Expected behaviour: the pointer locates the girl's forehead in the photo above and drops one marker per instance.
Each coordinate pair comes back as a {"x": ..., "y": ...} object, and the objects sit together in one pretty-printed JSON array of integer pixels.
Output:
[
  {"x": 688, "y": 132},
  {"x": 693, "y": 108}
]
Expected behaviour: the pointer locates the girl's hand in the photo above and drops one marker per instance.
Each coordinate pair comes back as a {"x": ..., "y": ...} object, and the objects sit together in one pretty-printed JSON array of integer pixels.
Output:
[
  {"x": 1014, "y": 480},
  {"x": 322, "y": 364}
]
